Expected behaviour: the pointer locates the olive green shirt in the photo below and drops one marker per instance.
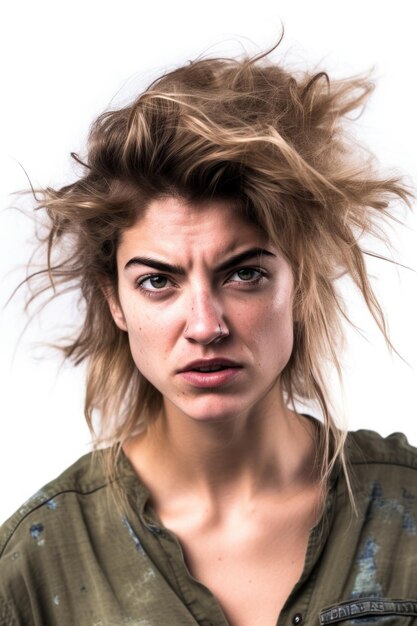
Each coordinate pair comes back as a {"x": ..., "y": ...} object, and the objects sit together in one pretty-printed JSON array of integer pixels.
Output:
[{"x": 69, "y": 556}]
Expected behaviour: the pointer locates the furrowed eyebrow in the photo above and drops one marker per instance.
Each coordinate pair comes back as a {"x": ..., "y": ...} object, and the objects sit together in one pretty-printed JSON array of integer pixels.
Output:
[
  {"x": 157, "y": 265},
  {"x": 179, "y": 270},
  {"x": 243, "y": 256}
]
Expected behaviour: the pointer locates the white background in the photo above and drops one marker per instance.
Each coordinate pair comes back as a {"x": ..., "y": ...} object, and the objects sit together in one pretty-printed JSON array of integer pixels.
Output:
[{"x": 65, "y": 63}]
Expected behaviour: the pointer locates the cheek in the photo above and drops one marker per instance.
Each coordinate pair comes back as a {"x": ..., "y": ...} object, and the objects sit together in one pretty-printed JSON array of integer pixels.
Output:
[
  {"x": 143, "y": 333},
  {"x": 146, "y": 353},
  {"x": 151, "y": 339},
  {"x": 272, "y": 331}
]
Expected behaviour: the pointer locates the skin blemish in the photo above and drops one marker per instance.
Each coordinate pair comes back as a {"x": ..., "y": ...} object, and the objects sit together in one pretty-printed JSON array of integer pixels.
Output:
[
  {"x": 36, "y": 533},
  {"x": 366, "y": 583},
  {"x": 133, "y": 535},
  {"x": 83, "y": 589},
  {"x": 15, "y": 556},
  {"x": 390, "y": 507},
  {"x": 55, "y": 600}
]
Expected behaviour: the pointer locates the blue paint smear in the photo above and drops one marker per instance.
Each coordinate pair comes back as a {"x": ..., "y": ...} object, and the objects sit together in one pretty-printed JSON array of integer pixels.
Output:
[
  {"x": 377, "y": 493},
  {"x": 40, "y": 497},
  {"x": 409, "y": 522},
  {"x": 133, "y": 535},
  {"x": 366, "y": 584},
  {"x": 36, "y": 531},
  {"x": 369, "y": 551},
  {"x": 390, "y": 507}
]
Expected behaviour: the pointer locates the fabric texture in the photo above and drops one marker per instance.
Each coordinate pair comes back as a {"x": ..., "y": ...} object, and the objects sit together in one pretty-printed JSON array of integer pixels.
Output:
[{"x": 70, "y": 556}]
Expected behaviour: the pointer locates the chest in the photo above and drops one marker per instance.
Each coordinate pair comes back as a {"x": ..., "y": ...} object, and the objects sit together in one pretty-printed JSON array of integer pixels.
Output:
[
  {"x": 251, "y": 567},
  {"x": 250, "y": 581}
]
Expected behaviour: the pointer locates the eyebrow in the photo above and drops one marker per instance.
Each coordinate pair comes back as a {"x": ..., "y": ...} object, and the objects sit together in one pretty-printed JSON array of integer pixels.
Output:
[
  {"x": 243, "y": 256},
  {"x": 179, "y": 270}
]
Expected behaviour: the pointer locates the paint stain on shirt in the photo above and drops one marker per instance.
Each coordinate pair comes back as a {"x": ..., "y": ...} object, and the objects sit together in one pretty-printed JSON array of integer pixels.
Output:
[
  {"x": 36, "y": 533},
  {"x": 390, "y": 507},
  {"x": 366, "y": 583},
  {"x": 35, "y": 499},
  {"x": 133, "y": 535},
  {"x": 39, "y": 498}
]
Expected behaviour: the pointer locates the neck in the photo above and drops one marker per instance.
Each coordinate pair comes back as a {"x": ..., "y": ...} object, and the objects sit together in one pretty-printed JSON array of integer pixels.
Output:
[{"x": 271, "y": 448}]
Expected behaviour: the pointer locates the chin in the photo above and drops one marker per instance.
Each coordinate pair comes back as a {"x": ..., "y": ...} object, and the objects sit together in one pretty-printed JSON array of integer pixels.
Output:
[{"x": 213, "y": 409}]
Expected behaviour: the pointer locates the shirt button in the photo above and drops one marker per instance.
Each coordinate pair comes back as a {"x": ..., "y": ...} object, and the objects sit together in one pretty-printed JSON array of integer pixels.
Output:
[{"x": 297, "y": 619}]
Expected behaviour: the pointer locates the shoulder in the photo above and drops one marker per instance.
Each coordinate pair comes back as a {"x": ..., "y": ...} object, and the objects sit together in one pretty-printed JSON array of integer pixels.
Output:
[
  {"x": 383, "y": 474},
  {"x": 33, "y": 538},
  {"x": 81, "y": 479},
  {"x": 370, "y": 551},
  {"x": 366, "y": 447},
  {"x": 66, "y": 554}
]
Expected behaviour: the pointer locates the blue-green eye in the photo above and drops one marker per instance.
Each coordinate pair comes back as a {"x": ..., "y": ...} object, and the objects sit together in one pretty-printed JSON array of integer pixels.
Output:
[
  {"x": 158, "y": 282},
  {"x": 247, "y": 275},
  {"x": 153, "y": 283}
]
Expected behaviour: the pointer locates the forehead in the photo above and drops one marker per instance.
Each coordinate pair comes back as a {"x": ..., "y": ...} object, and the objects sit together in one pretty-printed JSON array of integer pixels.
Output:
[{"x": 173, "y": 225}]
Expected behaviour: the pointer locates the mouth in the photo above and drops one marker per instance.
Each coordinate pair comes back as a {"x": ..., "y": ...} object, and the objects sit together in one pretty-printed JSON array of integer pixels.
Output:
[
  {"x": 210, "y": 373},
  {"x": 209, "y": 368},
  {"x": 210, "y": 365}
]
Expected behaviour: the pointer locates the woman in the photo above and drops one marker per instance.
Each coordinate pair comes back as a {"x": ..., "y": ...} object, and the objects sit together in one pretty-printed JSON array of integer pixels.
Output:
[{"x": 206, "y": 233}]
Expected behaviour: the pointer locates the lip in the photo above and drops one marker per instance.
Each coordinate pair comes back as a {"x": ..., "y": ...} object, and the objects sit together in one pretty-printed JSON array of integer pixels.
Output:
[
  {"x": 210, "y": 379},
  {"x": 221, "y": 361}
]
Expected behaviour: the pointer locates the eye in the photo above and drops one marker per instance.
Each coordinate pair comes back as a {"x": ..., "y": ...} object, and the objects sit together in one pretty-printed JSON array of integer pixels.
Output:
[
  {"x": 153, "y": 283},
  {"x": 250, "y": 275}
]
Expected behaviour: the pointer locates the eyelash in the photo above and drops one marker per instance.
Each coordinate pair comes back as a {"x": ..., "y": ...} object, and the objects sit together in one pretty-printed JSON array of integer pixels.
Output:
[{"x": 154, "y": 292}]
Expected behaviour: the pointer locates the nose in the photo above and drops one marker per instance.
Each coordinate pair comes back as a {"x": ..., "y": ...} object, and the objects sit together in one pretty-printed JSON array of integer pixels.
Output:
[{"x": 204, "y": 322}]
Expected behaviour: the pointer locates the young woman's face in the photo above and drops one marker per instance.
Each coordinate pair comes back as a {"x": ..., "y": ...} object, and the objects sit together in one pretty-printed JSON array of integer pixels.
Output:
[{"x": 207, "y": 304}]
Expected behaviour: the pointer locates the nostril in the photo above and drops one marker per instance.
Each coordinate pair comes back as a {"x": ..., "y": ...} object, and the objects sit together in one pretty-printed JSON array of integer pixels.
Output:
[{"x": 205, "y": 333}]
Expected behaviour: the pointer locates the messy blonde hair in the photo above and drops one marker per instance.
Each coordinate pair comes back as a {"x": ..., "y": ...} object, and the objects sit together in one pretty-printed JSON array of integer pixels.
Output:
[{"x": 270, "y": 140}]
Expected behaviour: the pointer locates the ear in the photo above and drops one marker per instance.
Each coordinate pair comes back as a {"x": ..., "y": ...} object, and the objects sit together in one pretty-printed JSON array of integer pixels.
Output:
[{"x": 114, "y": 306}]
